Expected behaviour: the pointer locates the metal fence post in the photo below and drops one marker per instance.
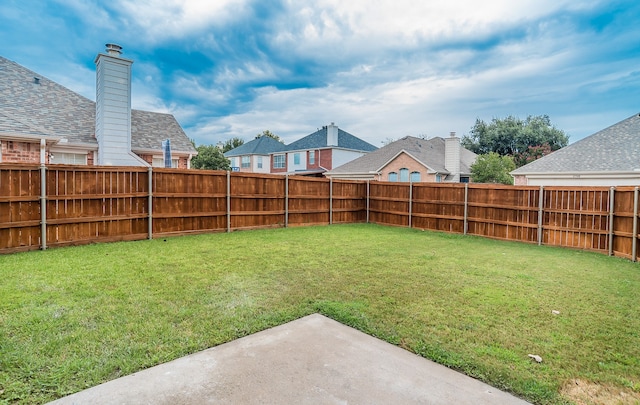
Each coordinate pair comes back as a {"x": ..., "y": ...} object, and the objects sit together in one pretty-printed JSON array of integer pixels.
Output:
[
  {"x": 43, "y": 207},
  {"x": 330, "y": 201},
  {"x": 150, "y": 228},
  {"x": 368, "y": 193},
  {"x": 228, "y": 201},
  {"x": 466, "y": 207},
  {"x": 540, "y": 214},
  {"x": 634, "y": 248},
  {"x": 286, "y": 201},
  {"x": 410, "y": 202},
  {"x": 612, "y": 192}
]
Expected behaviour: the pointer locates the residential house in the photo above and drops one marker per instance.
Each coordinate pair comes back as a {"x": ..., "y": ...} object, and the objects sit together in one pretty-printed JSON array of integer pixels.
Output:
[
  {"x": 320, "y": 151},
  {"x": 254, "y": 156},
  {"x": 610, "y": 157},
  {"x": 412, "y": 159},
  {"x": 43, "y": 122}
]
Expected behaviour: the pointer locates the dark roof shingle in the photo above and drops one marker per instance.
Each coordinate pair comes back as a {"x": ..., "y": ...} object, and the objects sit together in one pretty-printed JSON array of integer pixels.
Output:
[
  {"x": 318, "y": 140},
  {"x": 42, "y": 107},
  {"x": 259, "y": 146},
  {"x": 614, "y": 149}
]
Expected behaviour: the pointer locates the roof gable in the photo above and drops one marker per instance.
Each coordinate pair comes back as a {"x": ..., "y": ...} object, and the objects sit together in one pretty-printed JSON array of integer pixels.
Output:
[
  {"x": 613, "y": 149},
  {"x": 263, "y": 145},
  {"x": 428, "y": 152},
  {"x": 318, "y": 140},
  {"x": 32, "y": 105}
]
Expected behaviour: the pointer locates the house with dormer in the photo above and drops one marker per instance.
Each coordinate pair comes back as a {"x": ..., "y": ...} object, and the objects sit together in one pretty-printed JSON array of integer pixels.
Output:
[
  {"x": 319, "y": 152},
  {"x": 414, "y": 160},
  {"x": 43, "y": 122}
]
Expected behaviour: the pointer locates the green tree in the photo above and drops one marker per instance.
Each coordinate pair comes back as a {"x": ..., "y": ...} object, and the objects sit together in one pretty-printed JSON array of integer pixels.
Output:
[
  {"x": 269, "y": 134},
  {"x": 231, "y": 144},
  {"x": 512, "y": 136},
  {"x": 492, "y": 168},
  {"x": 210, "y": 157}
]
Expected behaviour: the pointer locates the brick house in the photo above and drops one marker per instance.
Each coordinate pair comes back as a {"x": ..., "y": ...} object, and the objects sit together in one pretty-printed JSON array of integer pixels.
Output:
[
  {"x": 254, "y": 156},
  {"x": 319, "y": 152},
  {"x": 412, "y": 159},
  {"x": 44, "y": 122}
]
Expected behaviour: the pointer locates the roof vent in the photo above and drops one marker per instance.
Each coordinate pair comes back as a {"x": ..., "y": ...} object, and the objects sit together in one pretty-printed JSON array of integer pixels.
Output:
[
  {"x": 114, "y": 50},
  {"x": 36, "y": 80}
]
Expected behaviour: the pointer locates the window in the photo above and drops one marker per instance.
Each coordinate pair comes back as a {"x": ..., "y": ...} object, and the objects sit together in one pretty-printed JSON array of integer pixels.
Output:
[
  {"x": 415, "y": 177},
  {"x": 296, "y": 158},
  {"x": 259, "y": 162},
  {"x": 393, "y": 176},
  {"x": 464, "y": 179},
  {"x": 246, "y": 162},
  {"x": 438, "y": 178},
  {"x": 312, "y": 157},
  {"x": 278, "y": 161},
  {"x": 159, "y": 162},
  {"x": 61, "y": 158},
  {"x": 404, "y": 174}
]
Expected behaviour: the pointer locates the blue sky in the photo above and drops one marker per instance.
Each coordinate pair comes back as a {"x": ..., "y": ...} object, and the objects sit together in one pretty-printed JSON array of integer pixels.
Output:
[{"x": 378, "y": 69}]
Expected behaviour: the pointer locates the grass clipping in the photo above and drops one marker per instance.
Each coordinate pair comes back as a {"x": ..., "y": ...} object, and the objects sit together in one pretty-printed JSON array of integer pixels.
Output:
[{"x": 584, "y": 392}]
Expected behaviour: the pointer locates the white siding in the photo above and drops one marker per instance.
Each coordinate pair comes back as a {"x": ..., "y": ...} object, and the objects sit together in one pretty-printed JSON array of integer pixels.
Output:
[
  {"x": 302, "y": 165},
  {"x": 340, "y": 157},
  {"x": 113, "y": 112}
]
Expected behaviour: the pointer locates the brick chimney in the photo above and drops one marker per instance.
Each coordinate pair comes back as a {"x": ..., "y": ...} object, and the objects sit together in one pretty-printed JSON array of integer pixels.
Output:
[
  {"x": 113, "y": 109},
  {"x": 452, "y": 156},
  {"x": 332, "y": 135}
]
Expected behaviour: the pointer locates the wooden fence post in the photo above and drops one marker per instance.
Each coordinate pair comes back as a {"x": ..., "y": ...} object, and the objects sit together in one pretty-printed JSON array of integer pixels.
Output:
[
  {"x": 466, "y": 208},
  {"x": 43, "y": 207},
  {"x": 228, "y": 201},
  {"x": 286, "y": 201},
  {"x": 612, "y": 193},
  {"x": 634, "y": 248},
  {"x": 330, "y": 201},
  {"x": 540, "y": 214},
  {"x": 150, "y": 228}
]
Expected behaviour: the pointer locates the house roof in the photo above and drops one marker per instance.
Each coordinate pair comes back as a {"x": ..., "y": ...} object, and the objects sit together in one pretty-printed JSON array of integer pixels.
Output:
[
  {"x": 428, "y": 152},
  {"x": 32, "y": 105},
  {"x": 263, "y": 145},
  {"x": 614, "y": 149},
  {"x": 318, "y": 140}
]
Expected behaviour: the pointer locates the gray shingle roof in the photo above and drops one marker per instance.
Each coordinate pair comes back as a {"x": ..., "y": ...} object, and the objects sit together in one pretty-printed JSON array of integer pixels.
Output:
[
  {"x": 260, "y": 146},
  {"x": 43, "y": 107},
  {"x": 429, "y": 152},
  {"x": 318, "y": 140},
  {"x": 614, "y": 149}
]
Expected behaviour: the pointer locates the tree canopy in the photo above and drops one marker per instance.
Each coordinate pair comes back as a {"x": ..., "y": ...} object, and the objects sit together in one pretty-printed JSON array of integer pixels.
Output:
[
  {"x": 210, "y": 157},
  {"x": 492, "y": 168},
  {"x": 514, "y": 137},
  {"x": 269, "y": 134},
  {"x": 232, "y": 144}
]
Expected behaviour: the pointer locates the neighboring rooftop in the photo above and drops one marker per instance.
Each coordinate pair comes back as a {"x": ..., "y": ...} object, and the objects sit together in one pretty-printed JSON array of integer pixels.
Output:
[
  {"x": 429, "y": 152},
  {"x": 263, "y": 145},
  {"x": 318, "y": 140},
  {"x": 614, "y": 149},
  {"x": 32, "y": 105}
]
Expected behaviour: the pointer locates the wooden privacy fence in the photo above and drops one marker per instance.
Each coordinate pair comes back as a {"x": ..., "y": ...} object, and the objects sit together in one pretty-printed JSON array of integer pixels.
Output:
[{"x": 61, "y": 205}]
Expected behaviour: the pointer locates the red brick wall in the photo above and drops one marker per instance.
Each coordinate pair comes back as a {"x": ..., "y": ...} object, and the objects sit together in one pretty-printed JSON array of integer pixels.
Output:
[
  {"x": 20, "y": 152},
  {"x": 404, "y": 161},
  {"x": 325, "y": 158}
]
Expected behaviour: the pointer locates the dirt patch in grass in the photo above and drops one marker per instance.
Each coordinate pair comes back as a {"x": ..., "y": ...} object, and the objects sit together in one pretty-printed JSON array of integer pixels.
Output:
[{"x": 587, "y": 393}]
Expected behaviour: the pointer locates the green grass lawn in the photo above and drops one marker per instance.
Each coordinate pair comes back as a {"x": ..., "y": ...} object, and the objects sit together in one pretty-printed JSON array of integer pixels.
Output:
[{"x": 72, "y": 318}]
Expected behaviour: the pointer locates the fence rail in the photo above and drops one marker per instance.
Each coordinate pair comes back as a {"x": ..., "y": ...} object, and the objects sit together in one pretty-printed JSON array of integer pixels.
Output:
[{"x": 59, "y": 205}]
